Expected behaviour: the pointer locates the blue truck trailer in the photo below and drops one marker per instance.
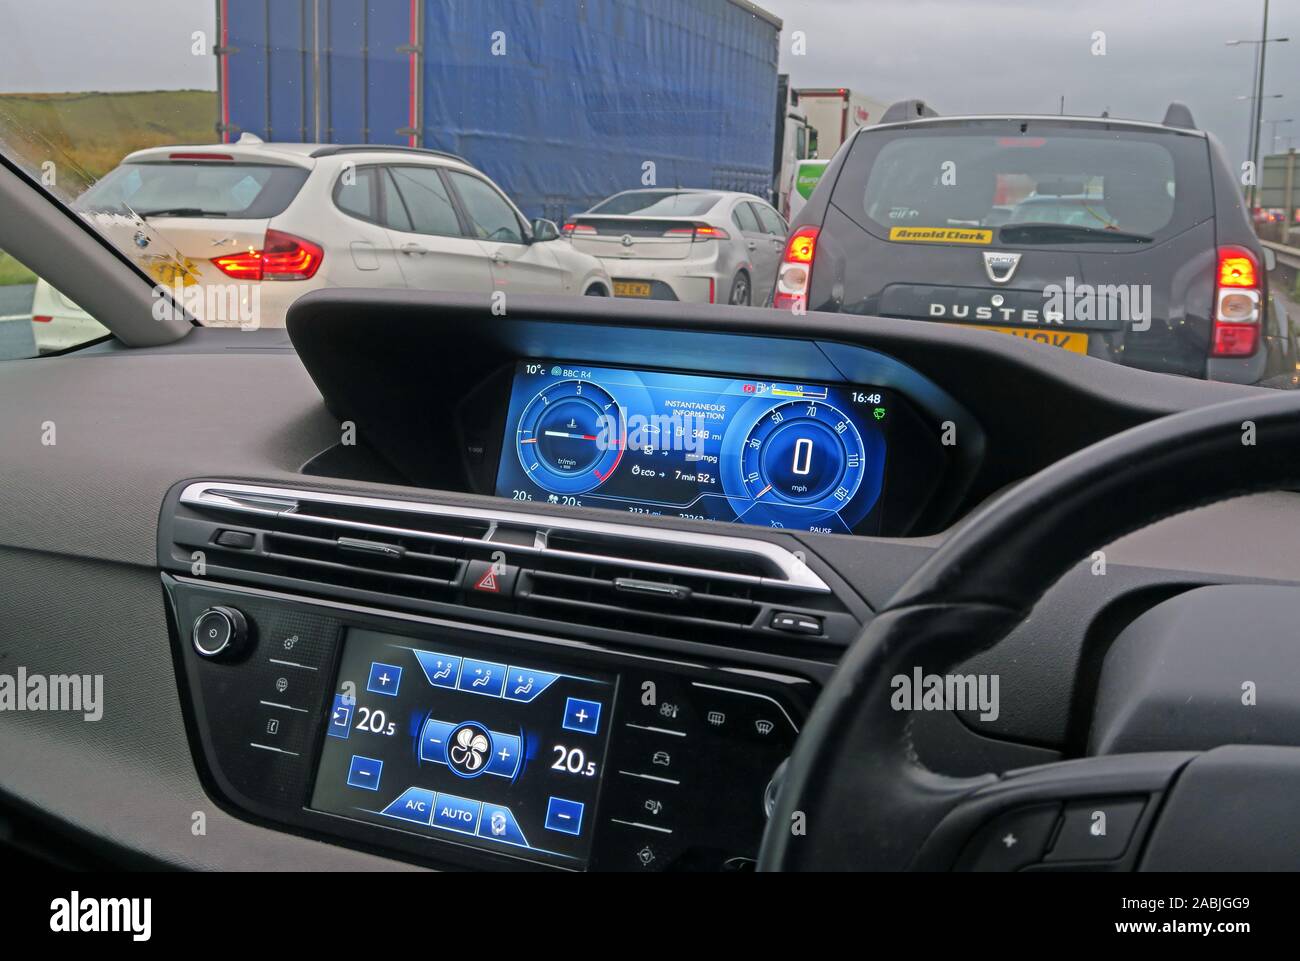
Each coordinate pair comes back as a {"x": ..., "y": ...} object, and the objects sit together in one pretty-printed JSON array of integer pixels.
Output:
[{"x": 562, "y": 102}]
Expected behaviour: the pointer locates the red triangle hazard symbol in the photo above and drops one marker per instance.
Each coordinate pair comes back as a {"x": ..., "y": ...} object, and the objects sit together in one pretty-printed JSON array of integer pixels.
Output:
[{"x": 488, "y": 582}]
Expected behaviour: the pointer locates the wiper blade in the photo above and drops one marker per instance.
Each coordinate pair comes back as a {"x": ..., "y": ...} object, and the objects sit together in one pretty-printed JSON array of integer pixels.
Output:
[
  {"x": 181, "y": 212},
  {"x": 1067, "y": 234}
]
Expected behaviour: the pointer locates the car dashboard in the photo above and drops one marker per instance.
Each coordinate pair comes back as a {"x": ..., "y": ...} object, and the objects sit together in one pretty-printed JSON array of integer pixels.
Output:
[{"x": 444, "y": 588}]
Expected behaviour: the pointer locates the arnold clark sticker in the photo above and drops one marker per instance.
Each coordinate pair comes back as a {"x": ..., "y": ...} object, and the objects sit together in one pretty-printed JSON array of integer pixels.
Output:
[{"x": 941, "y": 235}]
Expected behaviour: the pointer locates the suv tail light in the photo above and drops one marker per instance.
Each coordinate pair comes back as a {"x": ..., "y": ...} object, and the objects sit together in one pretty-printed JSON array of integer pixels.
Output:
[
  {"x": 282, "y": 257},
  {"x": 1238, "y": 299},
  {"x": 795, "y": 276}
]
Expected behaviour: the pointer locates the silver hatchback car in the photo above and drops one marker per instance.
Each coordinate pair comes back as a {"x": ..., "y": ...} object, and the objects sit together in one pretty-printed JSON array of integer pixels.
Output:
[{"x": 702, "y": 246}]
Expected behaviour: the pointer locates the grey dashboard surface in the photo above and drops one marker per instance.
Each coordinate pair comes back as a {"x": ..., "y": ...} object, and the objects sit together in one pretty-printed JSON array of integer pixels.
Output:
[{"x": 79, "y": 589}]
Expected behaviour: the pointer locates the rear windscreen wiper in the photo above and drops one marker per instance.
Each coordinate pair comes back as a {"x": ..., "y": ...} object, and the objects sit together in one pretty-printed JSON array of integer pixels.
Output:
[
  {"x": 1067, "y": 234},
  {"x": 181, "y": 212}
]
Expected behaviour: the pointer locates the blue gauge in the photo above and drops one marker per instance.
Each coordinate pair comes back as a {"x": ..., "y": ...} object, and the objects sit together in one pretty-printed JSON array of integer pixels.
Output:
[
  {"x": 570, "y": 437},
  {"x": 803, "y": 454}
]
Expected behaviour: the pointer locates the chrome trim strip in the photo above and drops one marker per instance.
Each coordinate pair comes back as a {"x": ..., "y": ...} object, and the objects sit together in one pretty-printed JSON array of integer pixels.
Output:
[{"x": 227, "y": 496}]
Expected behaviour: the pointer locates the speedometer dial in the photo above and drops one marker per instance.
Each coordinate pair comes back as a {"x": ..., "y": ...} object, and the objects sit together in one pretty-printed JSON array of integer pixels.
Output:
[
  {"x": 570, "y": 437},
  {"x": 803, "y": 455}
]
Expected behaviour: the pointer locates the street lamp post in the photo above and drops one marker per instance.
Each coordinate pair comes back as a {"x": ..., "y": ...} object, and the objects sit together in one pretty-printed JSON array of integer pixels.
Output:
[{"x": 1257, "y": 98}]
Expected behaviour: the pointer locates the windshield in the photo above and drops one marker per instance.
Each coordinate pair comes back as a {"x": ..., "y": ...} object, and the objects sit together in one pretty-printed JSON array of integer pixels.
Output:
[{"x": 795, "y": 156}]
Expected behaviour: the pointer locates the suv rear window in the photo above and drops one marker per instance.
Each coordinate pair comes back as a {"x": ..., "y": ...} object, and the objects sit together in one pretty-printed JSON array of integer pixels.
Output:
[
  {"x": 1061, "y": 186},
  {"x": 249, "y": 191},
  {"x": 657, "y": 203}
]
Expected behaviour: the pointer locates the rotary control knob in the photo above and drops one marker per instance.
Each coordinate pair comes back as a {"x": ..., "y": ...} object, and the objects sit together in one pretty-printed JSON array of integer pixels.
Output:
[{"x": 220, "y": 633}]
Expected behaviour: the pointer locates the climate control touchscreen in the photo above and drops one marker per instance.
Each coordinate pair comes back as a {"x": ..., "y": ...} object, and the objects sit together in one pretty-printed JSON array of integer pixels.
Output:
[
  {"x": 801, "y": 456},
  {"x": 504, "y": 754}
]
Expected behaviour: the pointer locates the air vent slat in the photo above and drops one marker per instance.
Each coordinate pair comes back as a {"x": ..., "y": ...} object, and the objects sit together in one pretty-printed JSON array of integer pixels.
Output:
[
  {"x": 603, "y": 576},
  {"x": 658, "y": 617}
]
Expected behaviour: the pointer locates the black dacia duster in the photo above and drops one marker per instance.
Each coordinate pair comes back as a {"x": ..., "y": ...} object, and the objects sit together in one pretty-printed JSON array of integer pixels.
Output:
[{"x": 1123, "y": 240}]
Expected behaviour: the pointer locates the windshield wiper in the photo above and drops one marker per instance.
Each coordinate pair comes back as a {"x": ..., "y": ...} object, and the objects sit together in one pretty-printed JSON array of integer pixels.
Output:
[
  {"x": 1068, "y": 234},
  {"x": 181, "y": 212}
]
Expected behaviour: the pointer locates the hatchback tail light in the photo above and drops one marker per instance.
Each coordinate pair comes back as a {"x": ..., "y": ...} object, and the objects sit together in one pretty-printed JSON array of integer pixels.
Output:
[
  {"x": 1238, "y": 300},
  {"x": 794, "y": 278},
  {"x": 282, "y": 257},
  {"x": 698, "y": 232}
]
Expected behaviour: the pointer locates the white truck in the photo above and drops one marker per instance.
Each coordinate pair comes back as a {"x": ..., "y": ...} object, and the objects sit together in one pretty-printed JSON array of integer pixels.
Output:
[
  {"x": 796, "y": 140},
  {"x": 835, "y": 112}
]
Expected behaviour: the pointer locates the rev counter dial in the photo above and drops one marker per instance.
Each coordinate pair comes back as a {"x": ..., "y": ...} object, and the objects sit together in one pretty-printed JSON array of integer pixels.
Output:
[
  {"x": 570, "y": 437},
  {"x": 803, "y": 454}
]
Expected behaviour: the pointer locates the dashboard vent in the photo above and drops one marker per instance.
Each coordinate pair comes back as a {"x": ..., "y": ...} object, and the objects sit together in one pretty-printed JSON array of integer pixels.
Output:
[{"x": 604, "y": 576}]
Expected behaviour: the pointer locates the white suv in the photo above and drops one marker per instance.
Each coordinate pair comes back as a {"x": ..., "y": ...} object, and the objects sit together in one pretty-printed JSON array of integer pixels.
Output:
[{"x": 289, "y": 218}]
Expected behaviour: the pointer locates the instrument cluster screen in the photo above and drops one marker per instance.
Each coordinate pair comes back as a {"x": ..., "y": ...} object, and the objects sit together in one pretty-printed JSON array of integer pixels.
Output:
[
  {"x": 467, "y": 747},
  {"x": 804, "y": 457}
]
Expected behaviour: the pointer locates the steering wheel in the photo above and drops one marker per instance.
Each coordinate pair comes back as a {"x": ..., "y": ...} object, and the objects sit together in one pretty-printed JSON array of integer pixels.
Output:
[{"x": 854, "y": 795}]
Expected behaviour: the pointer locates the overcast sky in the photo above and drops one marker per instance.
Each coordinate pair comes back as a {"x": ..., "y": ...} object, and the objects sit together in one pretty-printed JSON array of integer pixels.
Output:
[
  {"x": 961, "y": 55},
  {"x": 992, "y": 56}
]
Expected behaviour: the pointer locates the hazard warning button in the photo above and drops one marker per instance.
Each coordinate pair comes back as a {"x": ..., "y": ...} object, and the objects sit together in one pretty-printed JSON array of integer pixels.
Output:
[{"x": 485, "y": 580}]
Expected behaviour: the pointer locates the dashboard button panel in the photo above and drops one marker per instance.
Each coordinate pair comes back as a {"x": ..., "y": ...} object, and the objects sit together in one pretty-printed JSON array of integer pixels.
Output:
[{"x": 498, "y": 742}]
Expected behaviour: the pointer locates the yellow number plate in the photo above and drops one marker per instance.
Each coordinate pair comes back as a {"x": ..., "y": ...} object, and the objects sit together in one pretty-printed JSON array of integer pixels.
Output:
[
  {"x": 1066, "y": 340},
  {"x": 626, "y": 288}
]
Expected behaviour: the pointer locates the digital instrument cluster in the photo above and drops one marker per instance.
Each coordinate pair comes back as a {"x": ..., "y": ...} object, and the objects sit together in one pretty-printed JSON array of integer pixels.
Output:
[
  {"x": 805, "y": 457},
  {"x": 439, "y": 740}
]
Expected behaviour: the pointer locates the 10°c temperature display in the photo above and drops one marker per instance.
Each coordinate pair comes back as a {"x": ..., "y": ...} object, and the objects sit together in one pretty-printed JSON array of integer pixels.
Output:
[{"x": 799, "y": 456}]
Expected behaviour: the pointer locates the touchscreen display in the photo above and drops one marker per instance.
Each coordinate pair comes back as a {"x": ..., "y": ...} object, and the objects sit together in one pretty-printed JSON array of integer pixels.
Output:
[
  {"x": 504, "y": 754},
  {"x": 801, "y": 456}
]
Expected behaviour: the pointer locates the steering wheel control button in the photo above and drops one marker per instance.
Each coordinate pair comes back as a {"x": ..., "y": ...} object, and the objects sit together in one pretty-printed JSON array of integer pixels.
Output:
[
  {"x": 1012, "y": 841},
  {"x": 220, "y": 632},
  {"x": 1097, "y": 830},
  {"x": 564, "y": 816}
]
